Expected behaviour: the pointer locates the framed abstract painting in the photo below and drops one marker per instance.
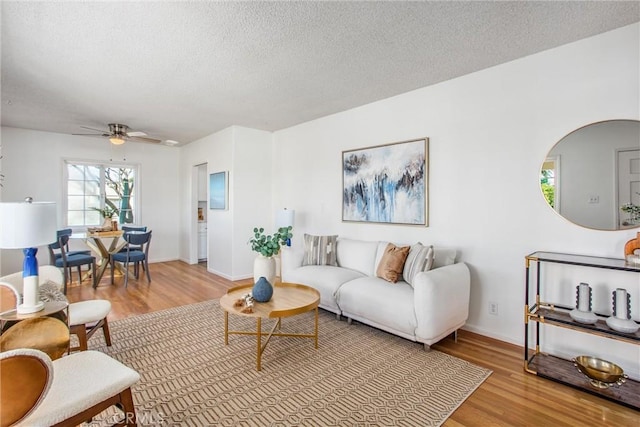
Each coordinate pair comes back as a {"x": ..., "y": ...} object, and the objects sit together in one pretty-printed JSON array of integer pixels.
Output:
[
  {"x": 386, "y": 184},
  {"x": 218, "y": 190}
]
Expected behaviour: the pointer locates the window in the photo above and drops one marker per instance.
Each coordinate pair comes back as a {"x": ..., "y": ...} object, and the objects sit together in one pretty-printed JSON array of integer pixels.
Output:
[{"x": 94, "y": 190}]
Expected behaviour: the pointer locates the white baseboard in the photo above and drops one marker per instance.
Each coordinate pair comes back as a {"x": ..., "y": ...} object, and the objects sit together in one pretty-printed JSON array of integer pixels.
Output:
[{"x": 491, "y": 334}]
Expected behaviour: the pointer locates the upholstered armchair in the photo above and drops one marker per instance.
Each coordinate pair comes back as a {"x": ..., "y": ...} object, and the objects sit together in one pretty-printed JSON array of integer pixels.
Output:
[
  {"x": 37, "y": 391},
  {"x": 85, "y": 317}
]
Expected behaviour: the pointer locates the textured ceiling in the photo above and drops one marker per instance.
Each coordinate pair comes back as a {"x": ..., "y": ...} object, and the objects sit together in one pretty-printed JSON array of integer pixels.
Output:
[{"x": 183, "y": 70}]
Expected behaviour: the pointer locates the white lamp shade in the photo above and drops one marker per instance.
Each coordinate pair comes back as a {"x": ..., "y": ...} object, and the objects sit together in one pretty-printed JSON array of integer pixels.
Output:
[
  {"x": 285, "y": 218},
  {"x": 27, "y": 225}
]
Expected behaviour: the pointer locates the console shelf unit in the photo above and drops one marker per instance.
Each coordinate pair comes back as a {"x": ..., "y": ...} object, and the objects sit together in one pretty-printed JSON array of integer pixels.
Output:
[{"x": 537, "y": 312}]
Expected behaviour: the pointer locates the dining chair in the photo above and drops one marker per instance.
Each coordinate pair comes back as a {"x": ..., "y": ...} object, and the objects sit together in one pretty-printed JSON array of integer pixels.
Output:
[
  {"x": 134, "y": 228},
  {"x": 53, "y": 255},
  {"x": 66, "y": 261},
  {"x": 69, "y": 391},
  {"x": 135, "y": 256}
]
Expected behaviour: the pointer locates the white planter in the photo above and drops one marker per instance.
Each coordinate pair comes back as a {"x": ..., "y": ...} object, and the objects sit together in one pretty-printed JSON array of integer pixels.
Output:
[{"x": 264, "y": 267}]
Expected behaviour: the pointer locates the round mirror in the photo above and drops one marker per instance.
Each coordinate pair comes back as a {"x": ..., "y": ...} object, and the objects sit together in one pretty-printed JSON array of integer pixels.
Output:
[{"x": 592, "y": 176}]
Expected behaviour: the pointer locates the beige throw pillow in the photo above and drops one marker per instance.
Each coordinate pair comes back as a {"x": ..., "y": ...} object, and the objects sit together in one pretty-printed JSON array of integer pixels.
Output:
[
  {"x": 319, "y": 250},
  {"x": 392, "y": 262},
  {"x": 50, "y": 292}
]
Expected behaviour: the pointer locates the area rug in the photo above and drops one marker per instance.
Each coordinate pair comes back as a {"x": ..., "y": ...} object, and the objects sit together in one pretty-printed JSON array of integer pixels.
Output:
[{"x": 359, "y": 376}]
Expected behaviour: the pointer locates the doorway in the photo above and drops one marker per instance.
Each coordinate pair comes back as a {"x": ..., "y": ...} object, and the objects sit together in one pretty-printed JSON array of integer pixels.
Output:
[
  {"x": 201, "y": 228},
  {"x": 628, "y": 163}
]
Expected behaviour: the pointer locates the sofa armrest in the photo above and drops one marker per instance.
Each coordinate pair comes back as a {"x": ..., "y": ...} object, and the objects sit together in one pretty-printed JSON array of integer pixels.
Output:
[
  {"x": 290, "y": 259},
  {"x": 441, "y": 300}
]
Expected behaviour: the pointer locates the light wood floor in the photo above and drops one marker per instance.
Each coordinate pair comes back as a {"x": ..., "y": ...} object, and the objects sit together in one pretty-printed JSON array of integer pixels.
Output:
[{"x": 509, "y": 397}]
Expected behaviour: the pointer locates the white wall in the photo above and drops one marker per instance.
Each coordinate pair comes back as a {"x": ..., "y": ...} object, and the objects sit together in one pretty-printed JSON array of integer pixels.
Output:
[
  {"x": 489, "y": 134},
  {"x": 33, "y": 165},
  {"x": 246, "y": 155}
]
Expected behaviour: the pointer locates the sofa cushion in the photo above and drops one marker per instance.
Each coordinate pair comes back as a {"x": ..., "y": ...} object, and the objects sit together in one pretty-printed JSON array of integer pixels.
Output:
[
  {"x": 325, "y": 279},
  {"x": 392, "y": 262},
  {"x": 357, "y": 255},
  {"x": 416, "y": 261},
  {"x": 376, "y": 300},
  {"x": 319, "y": 250}
]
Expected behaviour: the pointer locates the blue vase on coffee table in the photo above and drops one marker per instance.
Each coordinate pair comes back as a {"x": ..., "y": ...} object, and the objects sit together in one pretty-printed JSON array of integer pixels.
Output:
[{"x": 262, "y": 290}]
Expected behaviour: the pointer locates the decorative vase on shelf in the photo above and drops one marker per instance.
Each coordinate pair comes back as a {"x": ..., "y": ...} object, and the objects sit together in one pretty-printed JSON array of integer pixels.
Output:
[
  {"x": 264, "y": 267},
  {"x": 621, "y": 320},
  {"x": 262, "y": 290},
  {"x": 582, "y": 313}
]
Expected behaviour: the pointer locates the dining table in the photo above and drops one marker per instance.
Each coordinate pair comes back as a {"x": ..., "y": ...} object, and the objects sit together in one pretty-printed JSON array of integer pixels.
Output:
[{"x": 104, "y": 244}]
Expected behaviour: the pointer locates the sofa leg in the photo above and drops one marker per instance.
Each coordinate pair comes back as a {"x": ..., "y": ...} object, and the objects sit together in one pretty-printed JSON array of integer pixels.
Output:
[
  {"x": 349, "y": 321},
  {"x": 338, "y": 317},
  {"x": 427, "y": 347},
  {"x": 455, "y": 336}
]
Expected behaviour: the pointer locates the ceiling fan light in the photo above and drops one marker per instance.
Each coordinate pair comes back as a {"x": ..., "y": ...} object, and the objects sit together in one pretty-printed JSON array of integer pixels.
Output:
[{"x": 116, "y": 140}]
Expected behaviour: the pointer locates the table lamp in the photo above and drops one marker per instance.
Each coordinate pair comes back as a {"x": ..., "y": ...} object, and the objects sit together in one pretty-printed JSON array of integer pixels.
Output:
[
  {"x": 25, "y": 226},
  {"x": 285, "y": 218}
]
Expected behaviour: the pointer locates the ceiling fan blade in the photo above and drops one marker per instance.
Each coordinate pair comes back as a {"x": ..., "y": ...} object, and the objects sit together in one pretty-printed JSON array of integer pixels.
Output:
[
  {"x": 136, "y": 133},
  {"x": 144, "y": 139},
  {"x": 103, "y": 131},
  {"x": 91, "y": 134}
]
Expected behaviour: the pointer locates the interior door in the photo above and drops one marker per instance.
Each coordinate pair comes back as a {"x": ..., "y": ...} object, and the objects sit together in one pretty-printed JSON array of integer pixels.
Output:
[{"x": 628, "y": 183}]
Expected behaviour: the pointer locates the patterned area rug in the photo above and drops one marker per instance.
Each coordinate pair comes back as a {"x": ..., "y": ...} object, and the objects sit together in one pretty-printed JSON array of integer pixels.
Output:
[{"x": 359, "y": 376}]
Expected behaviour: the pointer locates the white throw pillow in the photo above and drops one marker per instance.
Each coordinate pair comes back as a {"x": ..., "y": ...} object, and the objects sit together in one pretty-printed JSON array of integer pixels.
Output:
[{"x": 428, "y": 265}]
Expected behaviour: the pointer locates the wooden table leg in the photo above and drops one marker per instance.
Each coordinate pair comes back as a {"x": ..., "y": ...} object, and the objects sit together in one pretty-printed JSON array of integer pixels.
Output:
[
  {"x": 226, "y": 328},
  {"x": 316, "y": 328},
  {"x": 259, "y": 347}
]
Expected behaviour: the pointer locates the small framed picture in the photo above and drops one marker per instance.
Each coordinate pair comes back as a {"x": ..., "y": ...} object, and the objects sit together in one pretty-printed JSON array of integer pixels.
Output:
[{"x": 218, "y": 190}]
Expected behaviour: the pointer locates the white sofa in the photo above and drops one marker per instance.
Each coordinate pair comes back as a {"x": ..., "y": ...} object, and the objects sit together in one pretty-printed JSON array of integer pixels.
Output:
[{"x": 435, "y": 306}]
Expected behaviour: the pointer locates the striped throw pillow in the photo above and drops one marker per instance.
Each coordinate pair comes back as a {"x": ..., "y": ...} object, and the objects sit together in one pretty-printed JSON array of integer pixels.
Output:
[
  {"x": 319, "y": 250},
  {"x": 416, "y": 261}
]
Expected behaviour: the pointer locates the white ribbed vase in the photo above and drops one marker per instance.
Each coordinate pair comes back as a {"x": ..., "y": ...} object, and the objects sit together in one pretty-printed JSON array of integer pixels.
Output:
[{"x": 264, "y": 267}]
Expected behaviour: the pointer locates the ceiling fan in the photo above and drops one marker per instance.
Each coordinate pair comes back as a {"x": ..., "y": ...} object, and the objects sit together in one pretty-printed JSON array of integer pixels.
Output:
[{"x": 119, "y": 133}]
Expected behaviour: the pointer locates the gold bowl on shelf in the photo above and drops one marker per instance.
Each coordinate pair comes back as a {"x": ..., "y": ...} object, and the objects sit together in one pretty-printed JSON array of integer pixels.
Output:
[{"x": 602, "y": 373}]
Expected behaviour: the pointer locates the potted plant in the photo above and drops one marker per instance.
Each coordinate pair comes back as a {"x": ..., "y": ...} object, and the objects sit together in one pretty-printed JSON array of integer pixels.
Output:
[
  {"x": 107, "y": 214},
  {"x": 267, "y": 246},
  {"x": 633, "y": 211}
]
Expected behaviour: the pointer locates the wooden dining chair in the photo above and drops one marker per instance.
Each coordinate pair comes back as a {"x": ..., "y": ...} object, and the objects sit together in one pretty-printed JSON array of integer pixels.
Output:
[
  {"x": 135, "y": 228},
  {"x": 66, "y": 261},
  {"x": 135, "y": 256},
  {"x": 53, "y": 255}
]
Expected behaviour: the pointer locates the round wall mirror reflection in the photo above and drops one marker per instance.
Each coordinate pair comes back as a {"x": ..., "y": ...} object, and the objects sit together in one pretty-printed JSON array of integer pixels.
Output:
[{"x": 592, "y": 176}]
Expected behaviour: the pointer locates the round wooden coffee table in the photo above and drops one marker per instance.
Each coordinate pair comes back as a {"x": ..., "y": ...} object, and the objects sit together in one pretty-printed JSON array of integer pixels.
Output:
[{"x": 289, "y": 299}]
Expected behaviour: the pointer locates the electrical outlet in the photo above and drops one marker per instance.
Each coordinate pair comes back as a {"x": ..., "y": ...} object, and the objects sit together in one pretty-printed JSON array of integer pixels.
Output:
[
  {"x": 593, "y": 198},
  {"x": 493, "y": 308}
]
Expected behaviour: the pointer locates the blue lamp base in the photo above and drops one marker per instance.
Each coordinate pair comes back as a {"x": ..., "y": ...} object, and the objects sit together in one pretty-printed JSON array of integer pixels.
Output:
[{"x": 30, "y": 290}]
